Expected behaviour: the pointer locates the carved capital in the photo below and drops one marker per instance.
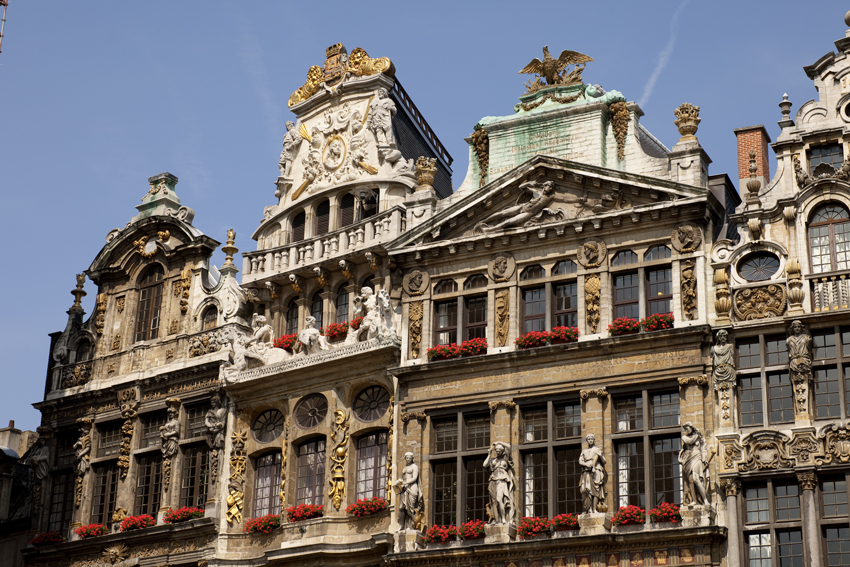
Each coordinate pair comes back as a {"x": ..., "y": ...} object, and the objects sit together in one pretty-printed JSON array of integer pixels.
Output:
[
  {"x": 731, "y": 486},
  {"x": 507, "y": 404},
  {"x": 701, "y": 380},
  {"x": 417, "y": 415},
  {"x": 598, "y": 392},
  {"x": 807, "y": 480}
]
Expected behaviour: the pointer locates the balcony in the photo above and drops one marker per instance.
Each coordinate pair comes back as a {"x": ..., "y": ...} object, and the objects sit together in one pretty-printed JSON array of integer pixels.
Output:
[
  {"x": 830, "y": 292},
  {"x": 368, "y": 233}
]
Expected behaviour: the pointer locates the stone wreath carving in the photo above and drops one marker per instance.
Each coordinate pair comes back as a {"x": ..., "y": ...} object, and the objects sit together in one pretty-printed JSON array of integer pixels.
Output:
[
  {"x": 836, "y": 438},
  {"x": 501, "y": 267},
  {"x": 592, "y": 253},
  {"x": 686, "y": 238},
  {"x": 416, "y": 282},
  {"x": 759, "y": 302},
  {"x": 414, "y": 315},
  {"x": 765, "y": 450},
  {"x": 592, "y": 289},
  {"x": 481, "y": 147}
]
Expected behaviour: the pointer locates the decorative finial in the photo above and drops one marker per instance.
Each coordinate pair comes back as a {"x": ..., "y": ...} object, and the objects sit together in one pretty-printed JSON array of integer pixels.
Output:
[
  {"x": 229, "y": 250},
  {"x": 785, "y": 107},
  {"x": 687, "y": 121},
  {"x": 847, "y": 19},
  {"x": 78, "y": 293},
  {"x": 753, "y": 185},
  {"x": 426, "y": 169}
]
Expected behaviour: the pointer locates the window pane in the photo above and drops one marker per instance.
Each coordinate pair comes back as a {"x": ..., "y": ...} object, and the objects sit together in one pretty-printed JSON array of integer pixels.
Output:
[
  {"x": 667, "y": 470},
  {"x": 624, "y": 258},
  {"x": 827, "y": 394},
  {"x": 267, "y": 485},
  {"x": 61, "y": 501},
  {"x": 445, "y": 436},
  {"x": 148, "y": 484},
  {"x": 629, "y": 414},
  {"x": 787, "y": 501},
  {"x": 758, "y": 550},
  {"x": 626, "y": 295},
  {"x": 564, "y": 267},
  {"x": 105, "y": 489},
  {"x": 751, "y": 406},
  {"x": 110, "y": 441},
  {"x": 568, "y": 421},
  {"x": 565, "y": 305},
  {"x": 477, "y": 432},
  {"x": 316, "y": 310},
  {"x": 819, "y": 247},
  {"x": 342, "y": 306},
  {"x": 535, "y": 483},
  {"x": 758, "y": 508},
  {"x": 476, "y": 318},
  {"x": 535, "y": 425},
  {"x": 196, "y": 421},
  {"x": 532, "y": 272},
  {"x": 311, "y": 473},
  {"x": 790, "y": 548},
  {"x": 842, "y": 245},
  {"x": 777, "y": 350},
  {"x": 372, "y": 466},
  {"x": 630, "y": 474},
  {"x": 780, "y": 392},
  {"x": 660, "y": 290},
  {"x": 150, "y": 430},
  {"x": 477, "y": 495},
  {"x": 659, "y": 252},
  {"x": 749, "y": 355},
  {"x": 446, "y": 322},
  {"x": 837, "y": 546},
  {"x": 665, "y": 409},
  {"x": 196, "y": 469},
  {"x": 834, "y": 497},
  {"x": 445, "y": 493},
  {"x": 534, "y": 309},
  {"x": 823, "y": 343},
  {"x": 568, "y": 472}
]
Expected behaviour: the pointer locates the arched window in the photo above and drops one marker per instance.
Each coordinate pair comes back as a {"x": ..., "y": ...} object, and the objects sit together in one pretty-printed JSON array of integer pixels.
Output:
[
  {"x": 323, "y": 217},
  {"x": 624, "y": 258},
  {"x": 210, "y": 318},
  {"x": 150, "y": 301},
  {"x": 298, "y": 227},
  {"x": 311, "y": 473},
  {"x": 372, "y": 465},
  {"x": 475, "y": 282},
  {"x": 369, "y": 206},
  {"x": 829, "y": 238},
  {"x": 292, "y": 318},
  {"x": 445, "y": 286},
  {"x": 533, "y": 273},
  {"x": 83, "y": 351},
  {"x": 316, "y": 310},
  {"x": 659, "y": 252},
  {"x": 564, "y": 267},
  {"x": 266, "y": 484},
  {"x": 341, "y": 304},
  {"x": 346, "y": 210}
]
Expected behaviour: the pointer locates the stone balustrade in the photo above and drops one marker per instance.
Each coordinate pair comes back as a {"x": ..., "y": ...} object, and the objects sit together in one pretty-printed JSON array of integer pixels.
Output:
[{"x": 830, "y": 292}]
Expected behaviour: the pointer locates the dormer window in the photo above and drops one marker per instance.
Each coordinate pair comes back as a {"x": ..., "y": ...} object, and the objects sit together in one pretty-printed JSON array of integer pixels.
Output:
[
  {"x": 830, "y": 154},
  {"x": 150, "y": 301},
  {"x": 829, "y": 238},
  {"x": 210, "y": 318}
]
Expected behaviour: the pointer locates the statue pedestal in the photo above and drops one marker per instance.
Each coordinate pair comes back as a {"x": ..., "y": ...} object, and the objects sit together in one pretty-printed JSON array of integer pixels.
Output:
[
  {"x": 283, "y": 185},
  {"x": 409, "y": 540},
  {"x": 211, "y": 508},
  {"x": 499, "y": 533},
  {"x": 594, "y": 524},
  {"x": 696, "y": 515}
]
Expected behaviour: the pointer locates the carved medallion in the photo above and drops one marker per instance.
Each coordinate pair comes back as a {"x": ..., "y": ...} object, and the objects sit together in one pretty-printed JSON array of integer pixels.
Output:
[
  {"x": 502, "y": 267},
  {"x": 416, "y": 282},
  {"x": 759, "y": 302},
  {"x": 765, "y": 450},
  {"x": 334, "y": 153},
  {"x": 837, "y": 444},
  {"x": 686, "y": 238},
  {"x": 592, "y": 253}
]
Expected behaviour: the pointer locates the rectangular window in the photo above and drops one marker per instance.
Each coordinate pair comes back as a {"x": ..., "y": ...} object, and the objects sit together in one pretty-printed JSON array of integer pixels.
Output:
[
  {"x": 659, "y": 291},
  {"x": 65, "y": 449},
  {"x": 837, "y": 546},
  {"x": 830, "y": 154},
  {"x": 61, "y": 501},
  {"x": 446, "y": 322},
  {"x": 758, "y": 506},
  {"x": 150, "y": 301},
  {"x": 445, "y": 493},
  {"x": 834, "y": 494},
  {"x": 777, "y": 350},
  {"x": 150, "y": 429},
  {"x": 568, "y": 421},
  {"x": 534, "y": 309},
  {"x": 267, "y": 485},
  {"x": 535, "y": 483},
  {"x": 445, "y": 436},
  {"x": 786, "y": 499},
  {"x": 196, "y": 470},
  {"x": 751, "y": 402},
  {"x": 148, "y": 484},
  {"x": 823, "y": 344},
  {"x": 629, "y": 414},
  {"x": 476, "y": 318},
  {"x": 827, "y": 393},
  {"x": 311, "y": 473},
  {"x": 477, "y": 432},
  {"x": 758, "y": 550},
  {"x": 568, "y": 478},
  {"x": 372, "y": 465},
  {"x": 790, "y": 544},
  {"x": 110, "y": 440},
  {"x": 477, "y": 495},
  {"x": 667, "y": 472},
  {"x": 626, "y": 296},
  {"x": 105, "y": 489},
  {"x": 566, "y": 304},
  {"x": 780, "y": 392},
  {"x": 535, "y": 425},
  {"x": 630, "y": 474},
  {"x": 196, "y": 421},
  {"x": 749, "y": 353},
  {"x": 665, "y": 410}
]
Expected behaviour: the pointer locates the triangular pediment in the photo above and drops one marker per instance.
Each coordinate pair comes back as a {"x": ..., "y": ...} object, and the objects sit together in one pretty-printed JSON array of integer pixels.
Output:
[{"x": 547, "y": 192}]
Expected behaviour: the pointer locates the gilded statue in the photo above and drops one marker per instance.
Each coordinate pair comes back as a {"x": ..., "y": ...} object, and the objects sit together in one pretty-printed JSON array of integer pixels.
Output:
[
  {"x": 502, "y": 483},
  {"x": 551, "y": 69},
  {"x": 409, "y": 490},
  {"x": 592, "y": 482},
  {"x": 693, "y": 457}
]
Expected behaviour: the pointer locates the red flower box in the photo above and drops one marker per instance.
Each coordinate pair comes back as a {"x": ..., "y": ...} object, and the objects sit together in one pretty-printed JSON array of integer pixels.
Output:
[
  {"x": 335, "y": 331},
  {"x": 657, "y": 322},
  {"x": 560, "y": 335},
  {"x": 91, "y": 530},
  {"x": 262, "y": 525},
  {"x": 532, "y": 340},
  {"x": 304, "y": 512},
  {"x": 137, "y": 522},
  {"x": 355, "y": 323},
  {"x": 183, "y": 514},
  {"x": 531, "y": 527},
  {"x": 472, "y": 530},
  {"x": 286, "y": 342},
  {"x": 665, "y": 513},
  {"x": 629, "y": 515},
  {"x": 367, "y": 506},
  {"x": 564, "y": 522},
  {"x": 47, "y": 538},
  {"x": 443, "y": 352},
  {"x": 623, "y": 326},
  {"x": 441, "y": 534},
  {"x": 472, "y": 347}
]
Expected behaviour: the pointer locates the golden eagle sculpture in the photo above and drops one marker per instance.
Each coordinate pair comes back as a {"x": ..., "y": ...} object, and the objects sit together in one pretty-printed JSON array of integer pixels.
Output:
[{"x": 552, "y": 69}]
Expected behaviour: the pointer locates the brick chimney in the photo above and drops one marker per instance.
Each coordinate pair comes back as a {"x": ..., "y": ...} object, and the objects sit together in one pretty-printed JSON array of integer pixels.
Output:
[{"x": 752, "y": 138}]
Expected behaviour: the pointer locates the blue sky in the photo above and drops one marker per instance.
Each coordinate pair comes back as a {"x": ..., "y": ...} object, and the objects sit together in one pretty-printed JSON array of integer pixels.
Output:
[{"x": 97, "y": 96}]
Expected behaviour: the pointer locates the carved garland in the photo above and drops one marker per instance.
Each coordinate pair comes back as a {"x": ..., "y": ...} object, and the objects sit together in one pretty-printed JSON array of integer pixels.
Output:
[
  {"x": 620, "y": 125},
  {"x": 128, "y": 401},
  {"x": 100, "y": 320},
  {"x": 760, "y": 302},
  {"x": 82, "y": 452},
  {"x": 598, "y": 393},
  {"x": 338, "y": 457},
  {"x": 592, "y": 289},
  {"x": 391, "y": 425},
  {"x": 526, "y": 106},
  {"x": 238, "y": 458},
  {"x": 415, "y": 312},
  {"x": 481, "y": 147},
  {"x": 140, "y": 245},
  {"x": 689, "y": 290},
  {"x": 503, "y": 316}
]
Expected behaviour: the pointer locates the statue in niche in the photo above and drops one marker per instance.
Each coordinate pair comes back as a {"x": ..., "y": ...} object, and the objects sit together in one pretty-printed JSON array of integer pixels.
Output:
[
  {"x": 39, "y": 459},
  {"x": 312, "y": 342},
  {"x": 82, "y": 448},
  {"x": 380, "y": 118},
  {"x": 215, "y": 420},
  {"x": 799, "y": 352},
  {"x": 502, "y": 483},
  {"x": 170, "y": 434},
  {"x": 542, "y": 195},
  {"x": 722, "y": 354},
  {"x": 693, "y": 457},
  {"x": 409, "y": 490},
  {"x": 592, "y": 483},
  {"x": 377, "y": 313},
  {"x": 291, "y": 141}
]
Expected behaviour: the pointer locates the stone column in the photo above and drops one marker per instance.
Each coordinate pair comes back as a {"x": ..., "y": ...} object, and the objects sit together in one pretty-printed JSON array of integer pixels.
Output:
[
  {"x": 329, "y": 309},
  {"x": 731, "y": 487},
  {"x": 304, "y": 305},
  {"x": 811, "y": 532},
  {"x": 502, "y": 431},
  {"x": 593, "y": 423}
]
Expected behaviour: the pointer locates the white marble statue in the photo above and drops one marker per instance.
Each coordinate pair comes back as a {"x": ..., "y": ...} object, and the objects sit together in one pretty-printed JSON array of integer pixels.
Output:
[
  {"x": 312, "y": 342},
  {"x": 502, "y": 483},
  {"x": 380, "y": 119},
  {"x": 377, "y": 314},
  {"x": 694, "y": 460},
  {"x": 409, "y": 490},
  {"x": 592, "y": 483},
  {"x": 291, "y": 141}
]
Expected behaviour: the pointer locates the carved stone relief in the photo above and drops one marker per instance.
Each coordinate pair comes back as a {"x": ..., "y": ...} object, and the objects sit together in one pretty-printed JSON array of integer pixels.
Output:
[
  {"x": 416, "y": 282},
  {"x": 82, "y": 457},
  {"x": 76, "y": 375},
  {"x": 689, "y": 290},
  {"x": 129, "y": 401},
  {"x": 170, "y": 435},
  {"x": 119, "y": 304},
  {"x": 507, "y": 404},
  {"x": 620, "y": 125},
  {"x": 503, "y": 316},
  {"x": 804, "y": 447},
  {"x": 236, "y": 482},
  {"x": 759, "y": 302},
  {"x": 686, "y": 238},
  {"x": 592, "y": 253},
  {"x": 836, "y": 439},
  {"x": 731, "y": 453},
  {"x": 730, "y": 486},
  {"x": 765, "y": 450},
  {"x": 597, "y": 393},
  {"x": 592, "y": 289},
  {"x": 808, "y": 480},
  {"x": 481, "y": 147},
  {"x": 415, "y": 311},
  {"x": 501, "y": 267},
  {"x": 799, "y": 344},
  {"x": 116, "y": 341},
  {"x": 215, "y": 421},
  {"x": 722, "y": 354},
  {"x": 205, "y": 344},
  {"x": 338, "y": 456},
  {"x": 524, "y": 212},
  {"x": 100, "y": 309}
]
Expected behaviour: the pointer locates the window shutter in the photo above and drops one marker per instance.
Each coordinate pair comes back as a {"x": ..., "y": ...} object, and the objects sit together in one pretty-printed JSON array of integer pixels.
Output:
[
  {"x": 298, "y": 227},
  {"x": 347, "y": 211},
  {"x": 323, "y": 218}
]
